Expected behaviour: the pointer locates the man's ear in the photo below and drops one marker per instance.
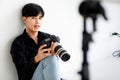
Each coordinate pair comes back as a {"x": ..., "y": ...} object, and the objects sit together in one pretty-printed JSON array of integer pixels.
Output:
[{"x": 24, "y": 19}]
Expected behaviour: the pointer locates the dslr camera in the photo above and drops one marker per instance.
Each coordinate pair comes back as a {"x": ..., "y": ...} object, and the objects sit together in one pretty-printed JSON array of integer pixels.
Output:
[{"x": 61, "y": 52}]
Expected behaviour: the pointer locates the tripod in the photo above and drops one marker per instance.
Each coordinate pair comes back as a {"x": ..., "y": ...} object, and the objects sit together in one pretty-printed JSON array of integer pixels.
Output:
[{"x": 88, "y": 8}]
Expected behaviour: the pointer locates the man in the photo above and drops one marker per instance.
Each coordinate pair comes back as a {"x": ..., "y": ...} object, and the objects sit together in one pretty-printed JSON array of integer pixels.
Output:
[{"x": 32, "y": 60}]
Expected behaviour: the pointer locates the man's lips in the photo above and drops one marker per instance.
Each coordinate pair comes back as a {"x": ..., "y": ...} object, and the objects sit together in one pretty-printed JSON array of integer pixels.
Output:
[{"x": 36, "y": 26}]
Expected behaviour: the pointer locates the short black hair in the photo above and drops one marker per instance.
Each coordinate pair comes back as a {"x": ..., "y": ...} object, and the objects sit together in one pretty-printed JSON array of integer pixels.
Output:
[{"x": 32, "y": 9}]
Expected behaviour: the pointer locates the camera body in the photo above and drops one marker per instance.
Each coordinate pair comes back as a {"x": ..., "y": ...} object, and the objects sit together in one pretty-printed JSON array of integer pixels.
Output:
[{"x": 61, "y": 52}]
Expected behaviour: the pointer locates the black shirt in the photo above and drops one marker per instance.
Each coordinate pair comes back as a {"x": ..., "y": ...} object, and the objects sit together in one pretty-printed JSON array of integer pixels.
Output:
[{"x": 23, "y": 51}]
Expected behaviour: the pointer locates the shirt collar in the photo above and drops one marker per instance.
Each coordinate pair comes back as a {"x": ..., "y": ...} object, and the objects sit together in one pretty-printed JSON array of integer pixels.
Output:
[
  {"x": 29, "y": 40},
  {"x": 26, "y": 35}
]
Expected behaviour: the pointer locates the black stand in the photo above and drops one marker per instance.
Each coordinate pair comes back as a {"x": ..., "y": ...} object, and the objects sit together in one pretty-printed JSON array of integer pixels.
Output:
[
  {"x": 88, "y": 8},
  {"x": 85, "y": 47}
]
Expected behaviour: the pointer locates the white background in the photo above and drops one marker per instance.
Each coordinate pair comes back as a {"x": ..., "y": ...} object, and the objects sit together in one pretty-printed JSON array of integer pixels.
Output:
[{"x": 62, "y": 19}]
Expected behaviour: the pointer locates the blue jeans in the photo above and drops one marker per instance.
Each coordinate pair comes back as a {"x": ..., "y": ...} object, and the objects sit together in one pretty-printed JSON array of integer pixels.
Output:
[{"x": 47, "y": 69}]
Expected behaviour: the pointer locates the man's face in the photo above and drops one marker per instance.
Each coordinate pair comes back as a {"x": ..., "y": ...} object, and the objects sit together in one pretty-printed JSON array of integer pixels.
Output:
[{"x": 33, "y": 23}]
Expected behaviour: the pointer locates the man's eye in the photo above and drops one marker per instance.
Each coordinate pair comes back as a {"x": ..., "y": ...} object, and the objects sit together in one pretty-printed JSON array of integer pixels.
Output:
[{"x": 40, "y": 17}]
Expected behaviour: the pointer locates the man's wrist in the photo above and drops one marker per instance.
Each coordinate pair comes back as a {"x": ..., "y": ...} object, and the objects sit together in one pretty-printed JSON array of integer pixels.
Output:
[{"x": 36, "y": 59}]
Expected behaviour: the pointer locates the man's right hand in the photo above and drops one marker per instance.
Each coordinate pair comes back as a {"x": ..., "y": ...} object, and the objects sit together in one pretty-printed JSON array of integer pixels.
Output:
[{"x": 42, "y": 53}]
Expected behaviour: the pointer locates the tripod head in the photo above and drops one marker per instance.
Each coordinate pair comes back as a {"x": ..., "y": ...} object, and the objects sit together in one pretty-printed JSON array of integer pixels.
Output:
[{"x": 91, "y": 8}]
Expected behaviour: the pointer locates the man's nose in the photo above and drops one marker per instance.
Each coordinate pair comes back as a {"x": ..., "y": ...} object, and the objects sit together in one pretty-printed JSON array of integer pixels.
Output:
[{"x": 37, "y": 21}]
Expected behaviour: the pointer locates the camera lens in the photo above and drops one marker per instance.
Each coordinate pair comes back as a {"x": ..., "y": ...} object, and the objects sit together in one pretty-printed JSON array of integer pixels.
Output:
[
  {"x": 62, "y": 53},
  {"x": 65, "y": 57}
]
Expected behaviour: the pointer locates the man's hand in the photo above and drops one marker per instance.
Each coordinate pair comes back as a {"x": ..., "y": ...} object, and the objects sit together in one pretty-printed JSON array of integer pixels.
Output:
[
  {"x": 53, "y": 45},
  {"x": 42, "y": 53}
]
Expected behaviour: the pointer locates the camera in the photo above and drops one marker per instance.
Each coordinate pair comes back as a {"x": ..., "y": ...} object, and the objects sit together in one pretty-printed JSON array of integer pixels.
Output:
[{"x": 61, "y": 52}]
